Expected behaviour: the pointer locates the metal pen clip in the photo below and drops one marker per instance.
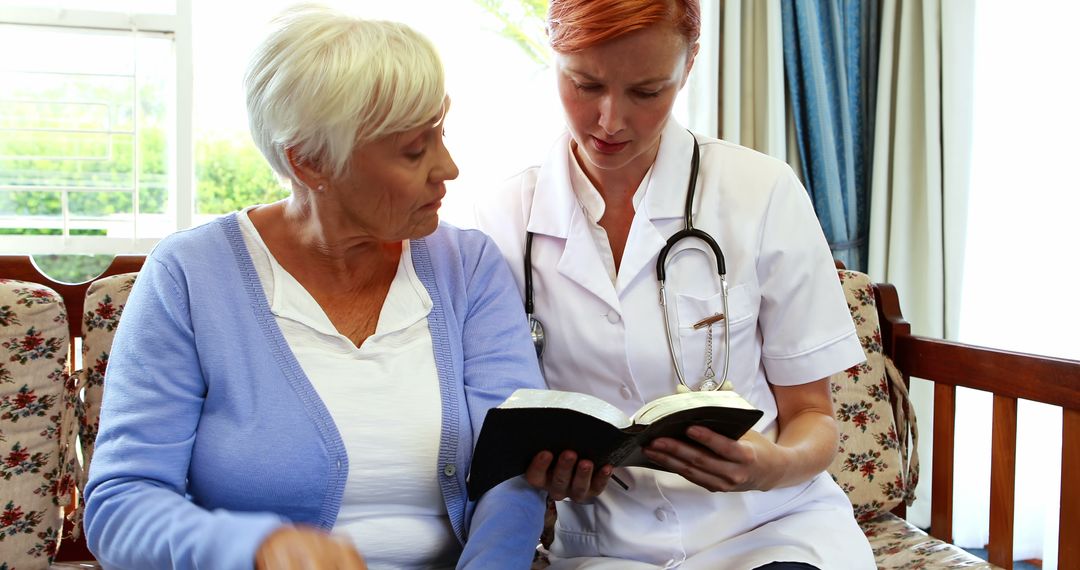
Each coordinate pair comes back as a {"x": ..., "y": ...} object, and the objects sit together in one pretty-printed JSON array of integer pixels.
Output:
[{"x": 708, "y": 321}]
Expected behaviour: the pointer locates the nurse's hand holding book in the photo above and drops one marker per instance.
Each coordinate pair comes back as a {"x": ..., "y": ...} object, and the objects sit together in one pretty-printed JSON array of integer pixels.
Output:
[
  {"x": 805, "y": 445},
  {"x": 717, "y": 463}
]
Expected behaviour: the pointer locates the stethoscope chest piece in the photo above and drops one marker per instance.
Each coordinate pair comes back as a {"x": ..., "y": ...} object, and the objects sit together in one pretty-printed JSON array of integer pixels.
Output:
[{"x": 536, "y": 328}]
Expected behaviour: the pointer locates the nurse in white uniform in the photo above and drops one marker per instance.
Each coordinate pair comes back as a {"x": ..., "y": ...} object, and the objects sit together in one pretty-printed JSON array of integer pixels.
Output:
[{"x": 599, "y": 209}]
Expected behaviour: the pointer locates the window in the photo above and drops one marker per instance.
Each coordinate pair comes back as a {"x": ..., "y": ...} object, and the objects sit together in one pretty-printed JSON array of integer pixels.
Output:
[
  {"x": 117, "y": 128},
  {"x": 88, "y": 132},
  {"x": 1020, "y": 256},
  {"x": 505, "y": 112}
]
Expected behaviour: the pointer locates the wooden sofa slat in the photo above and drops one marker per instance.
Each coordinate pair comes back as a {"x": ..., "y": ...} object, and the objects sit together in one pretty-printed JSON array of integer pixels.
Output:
[
  {"x": 1069, "y": 522},
  {"x": 1002, "y": 482},
  {"x": 941, "y": 500},
  {"x": 1012, "y": 374}
]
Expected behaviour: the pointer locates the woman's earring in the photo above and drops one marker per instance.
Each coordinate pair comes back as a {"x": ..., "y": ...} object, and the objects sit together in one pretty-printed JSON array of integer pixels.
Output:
[{"x": 320, "y": 187}]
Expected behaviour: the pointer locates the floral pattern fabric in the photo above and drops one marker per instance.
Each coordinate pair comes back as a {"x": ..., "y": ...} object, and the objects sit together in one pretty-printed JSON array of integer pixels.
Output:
[
  {"x": 37, "y": 424},
  {"x": 105, "y": 301},
  {"x": 876, "y": 465},
  {"x": 899, "y": 546},
  {"x": 871, "y": 464}
]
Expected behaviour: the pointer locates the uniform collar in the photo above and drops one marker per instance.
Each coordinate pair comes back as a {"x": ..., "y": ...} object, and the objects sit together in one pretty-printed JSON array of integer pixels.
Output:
[
  {"x": 666, "y": 196},
  {"x": 554, "y": 201}
]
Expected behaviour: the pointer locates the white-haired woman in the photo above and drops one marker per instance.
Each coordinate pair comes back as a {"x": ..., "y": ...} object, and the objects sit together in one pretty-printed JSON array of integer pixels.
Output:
[{"x": 321, "y": 364}]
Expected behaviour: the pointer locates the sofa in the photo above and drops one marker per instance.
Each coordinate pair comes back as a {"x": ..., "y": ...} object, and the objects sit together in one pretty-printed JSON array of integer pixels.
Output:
[{"x": 47, "y": 399}]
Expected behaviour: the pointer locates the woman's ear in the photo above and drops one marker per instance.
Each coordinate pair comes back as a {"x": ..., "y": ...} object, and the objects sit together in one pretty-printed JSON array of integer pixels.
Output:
[{"x": 306, "y": 170}]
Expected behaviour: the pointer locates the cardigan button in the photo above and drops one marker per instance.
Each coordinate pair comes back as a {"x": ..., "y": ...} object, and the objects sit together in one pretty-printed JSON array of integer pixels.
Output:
[{"x": 449, "y": 469}]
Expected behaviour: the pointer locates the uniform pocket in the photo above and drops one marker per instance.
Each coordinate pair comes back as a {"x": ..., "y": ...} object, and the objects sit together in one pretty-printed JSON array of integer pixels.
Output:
[{"x": 693, "y": 343}]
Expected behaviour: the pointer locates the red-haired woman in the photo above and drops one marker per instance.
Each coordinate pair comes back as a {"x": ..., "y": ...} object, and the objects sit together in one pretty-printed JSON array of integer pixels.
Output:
[{"x": 597, "y": 213}]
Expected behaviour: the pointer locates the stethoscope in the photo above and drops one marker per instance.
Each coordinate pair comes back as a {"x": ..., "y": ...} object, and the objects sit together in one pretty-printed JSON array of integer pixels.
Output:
[{"x": 688, "y": 231}]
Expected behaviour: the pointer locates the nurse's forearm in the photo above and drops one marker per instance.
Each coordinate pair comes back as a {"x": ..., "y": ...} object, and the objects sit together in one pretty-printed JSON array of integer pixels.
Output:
[
  {"x": 808, "y": 434},
  {"x": 810, "y": 441}
]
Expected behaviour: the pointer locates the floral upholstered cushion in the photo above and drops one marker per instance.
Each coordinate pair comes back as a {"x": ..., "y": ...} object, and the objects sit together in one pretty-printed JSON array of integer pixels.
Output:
[
  {"x": 898, "y": 545},
  {"x": 871, "y": 464},
  {"x": 37, "y": 424},
  {"x": 105, "y": 300}
]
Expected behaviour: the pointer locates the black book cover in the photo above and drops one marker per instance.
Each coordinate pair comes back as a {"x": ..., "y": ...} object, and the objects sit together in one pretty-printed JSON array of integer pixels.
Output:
[{"x": 511, "y": 437}]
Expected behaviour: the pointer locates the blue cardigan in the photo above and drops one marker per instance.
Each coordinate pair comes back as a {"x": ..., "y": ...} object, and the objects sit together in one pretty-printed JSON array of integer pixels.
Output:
[{"x": 211, "y": 436}]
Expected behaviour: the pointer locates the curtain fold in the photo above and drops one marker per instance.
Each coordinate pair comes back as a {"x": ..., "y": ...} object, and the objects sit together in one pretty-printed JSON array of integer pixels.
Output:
[
  {"x": 762, "y": 121},
  {"x": 919, "y": 185},
  {"x": 827, "y": 61},
  {"x": 752, "y": 84}
]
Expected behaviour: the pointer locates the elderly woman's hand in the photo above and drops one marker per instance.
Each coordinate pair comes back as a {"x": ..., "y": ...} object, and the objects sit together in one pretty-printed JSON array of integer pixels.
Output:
[
  {"x": 300, "y": 548},
  {"x": 567, "y": 477}
]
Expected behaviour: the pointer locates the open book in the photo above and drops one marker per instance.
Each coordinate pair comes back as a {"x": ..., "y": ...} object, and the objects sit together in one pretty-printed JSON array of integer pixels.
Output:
[{"x": 531, "y": 421}]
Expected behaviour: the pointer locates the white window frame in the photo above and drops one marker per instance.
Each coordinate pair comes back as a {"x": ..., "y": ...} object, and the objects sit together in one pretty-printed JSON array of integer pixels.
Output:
[{"x": 181, "y": 182}]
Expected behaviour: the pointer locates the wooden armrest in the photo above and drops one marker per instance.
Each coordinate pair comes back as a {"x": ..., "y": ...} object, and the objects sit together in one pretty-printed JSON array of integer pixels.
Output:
[
  {"x": 1044, "y": 379},
  {"x": 1009, "y": 376}
]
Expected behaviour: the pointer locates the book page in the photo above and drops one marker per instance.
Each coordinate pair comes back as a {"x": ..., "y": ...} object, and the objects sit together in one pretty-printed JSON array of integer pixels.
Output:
[
  {"x": 584, "y": 403},
  {"x": 666, "y": 405}
]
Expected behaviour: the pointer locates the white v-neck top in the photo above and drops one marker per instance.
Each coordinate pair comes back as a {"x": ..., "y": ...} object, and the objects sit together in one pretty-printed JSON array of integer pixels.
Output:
[
  {"x": 384, "y": 399},
  {"x": 593, "y": 206}
]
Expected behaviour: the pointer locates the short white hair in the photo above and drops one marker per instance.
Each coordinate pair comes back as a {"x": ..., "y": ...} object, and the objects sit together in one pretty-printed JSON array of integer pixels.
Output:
[{"x": 323, "y": 83}]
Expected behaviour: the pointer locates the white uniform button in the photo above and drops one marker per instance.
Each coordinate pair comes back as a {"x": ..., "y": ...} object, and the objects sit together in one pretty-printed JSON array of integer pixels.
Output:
[
  {"x": 613, "y": 317},
  {"x": 661, "y": 515},
  {"x": 625, "y": 392},
  {"x": 449, "y": 469}
]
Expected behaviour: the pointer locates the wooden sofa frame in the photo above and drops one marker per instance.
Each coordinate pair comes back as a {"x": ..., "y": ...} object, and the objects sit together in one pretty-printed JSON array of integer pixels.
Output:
[{"x": 1008, "y": 376}]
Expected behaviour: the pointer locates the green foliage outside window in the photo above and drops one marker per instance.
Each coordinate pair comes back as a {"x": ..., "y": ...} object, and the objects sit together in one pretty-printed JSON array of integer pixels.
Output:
[
  {"x": 72, "y": 268},
  {"x": 523, "y": 22},
  {"x": 230, "y": 172}
]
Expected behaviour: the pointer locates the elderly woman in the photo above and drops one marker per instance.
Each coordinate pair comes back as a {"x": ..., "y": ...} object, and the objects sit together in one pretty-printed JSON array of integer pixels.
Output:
[{"x": 321, "y": 364}]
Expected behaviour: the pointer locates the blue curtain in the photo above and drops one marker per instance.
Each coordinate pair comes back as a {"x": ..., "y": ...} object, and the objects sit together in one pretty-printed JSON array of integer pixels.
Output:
[{"x": 830, "y": 66}]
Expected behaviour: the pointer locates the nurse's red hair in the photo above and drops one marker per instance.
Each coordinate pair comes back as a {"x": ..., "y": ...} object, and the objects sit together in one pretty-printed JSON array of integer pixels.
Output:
[{"x": 574, "y": 25}]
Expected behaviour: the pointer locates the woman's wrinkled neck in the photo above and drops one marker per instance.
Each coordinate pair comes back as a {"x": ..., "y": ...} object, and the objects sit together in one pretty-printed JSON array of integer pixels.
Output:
[{"x": 308, "y": 230}]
